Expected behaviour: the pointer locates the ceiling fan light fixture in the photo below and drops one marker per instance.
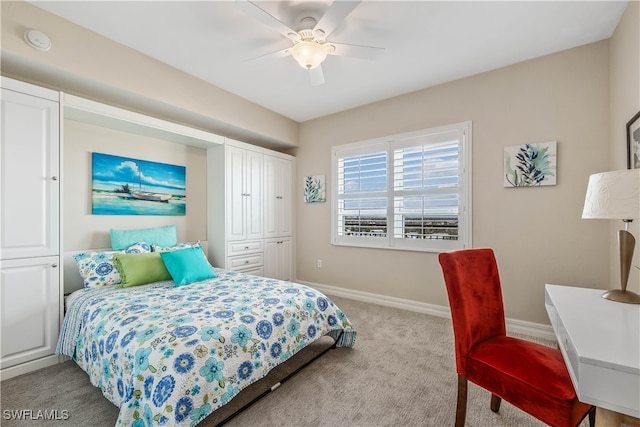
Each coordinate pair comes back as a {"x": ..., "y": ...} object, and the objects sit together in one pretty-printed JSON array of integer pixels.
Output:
[{"x": 310, "y": 54}]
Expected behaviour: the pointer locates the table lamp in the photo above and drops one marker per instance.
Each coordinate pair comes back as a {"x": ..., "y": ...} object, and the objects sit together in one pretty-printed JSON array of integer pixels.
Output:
[{"x": 616, "y": 195}]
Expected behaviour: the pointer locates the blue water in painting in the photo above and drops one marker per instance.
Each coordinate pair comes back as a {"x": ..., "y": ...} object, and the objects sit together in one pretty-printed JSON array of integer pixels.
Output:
[{"x": 118, "y": 204}]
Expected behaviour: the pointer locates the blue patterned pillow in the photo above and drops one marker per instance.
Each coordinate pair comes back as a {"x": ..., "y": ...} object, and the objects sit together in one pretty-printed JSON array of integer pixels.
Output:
[
  {"x": 184, "y": 245},
  {"x": 97, "y": 268}
]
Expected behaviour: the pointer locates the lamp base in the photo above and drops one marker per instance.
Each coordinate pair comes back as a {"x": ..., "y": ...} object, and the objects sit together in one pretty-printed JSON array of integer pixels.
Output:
[{"x": 622, "y": 296}]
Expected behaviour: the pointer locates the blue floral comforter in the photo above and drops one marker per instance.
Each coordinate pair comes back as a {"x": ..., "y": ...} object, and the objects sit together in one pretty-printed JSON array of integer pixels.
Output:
[{"x": 170, "y": 355}]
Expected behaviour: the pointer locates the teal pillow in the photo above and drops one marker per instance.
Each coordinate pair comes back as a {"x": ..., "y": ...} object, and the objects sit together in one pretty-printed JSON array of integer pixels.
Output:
[
  {"x": 140, "y": 269},
  {"x": 161, "y": 236},
  {"x": 187, "y": 265}
]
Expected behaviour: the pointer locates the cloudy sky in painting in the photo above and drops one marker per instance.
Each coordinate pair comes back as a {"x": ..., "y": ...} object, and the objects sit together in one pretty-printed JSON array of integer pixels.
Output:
[{"x": 111, "y": 172}]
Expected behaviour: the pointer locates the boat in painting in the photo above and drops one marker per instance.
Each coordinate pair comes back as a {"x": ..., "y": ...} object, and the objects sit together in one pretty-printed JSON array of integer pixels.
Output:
[{"x": 147, "y": 195}]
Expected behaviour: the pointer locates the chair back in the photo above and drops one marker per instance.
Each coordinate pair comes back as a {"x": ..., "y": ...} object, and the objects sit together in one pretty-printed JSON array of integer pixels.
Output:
[{"x": 475, "y": 298}]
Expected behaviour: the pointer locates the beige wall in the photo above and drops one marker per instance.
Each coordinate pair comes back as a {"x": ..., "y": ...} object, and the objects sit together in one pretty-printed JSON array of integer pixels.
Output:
[
  {"x": 84, "y": 63},
  {"x": 537, "y": 233},
  {"x": 81, "y": 229},
  {"x": 624, "y": 58}
]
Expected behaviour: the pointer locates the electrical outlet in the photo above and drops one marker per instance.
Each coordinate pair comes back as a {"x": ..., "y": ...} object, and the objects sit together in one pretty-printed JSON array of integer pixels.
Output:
[{"x": 319, "y": 263}]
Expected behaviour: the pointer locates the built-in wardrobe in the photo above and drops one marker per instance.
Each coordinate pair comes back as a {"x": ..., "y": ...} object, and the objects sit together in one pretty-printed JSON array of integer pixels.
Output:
[
  {"x": 30, "y": 263},
  {"x": 249, "y": 218}
]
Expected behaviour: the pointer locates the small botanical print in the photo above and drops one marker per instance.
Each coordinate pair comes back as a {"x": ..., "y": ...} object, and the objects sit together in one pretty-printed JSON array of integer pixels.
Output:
[
  {"x": 314, "y": 189},
  {"x": 530, "y": 165}
]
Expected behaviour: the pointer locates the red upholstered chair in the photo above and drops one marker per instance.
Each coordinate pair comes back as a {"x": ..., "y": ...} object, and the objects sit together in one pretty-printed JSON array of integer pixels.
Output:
[{"x": 530, "y": 376}]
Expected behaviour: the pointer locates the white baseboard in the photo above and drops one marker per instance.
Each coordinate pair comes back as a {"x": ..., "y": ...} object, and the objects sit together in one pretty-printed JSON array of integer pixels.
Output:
[
  {"x": 515, "y": 326},
  {"x": 26, "y": 367}
]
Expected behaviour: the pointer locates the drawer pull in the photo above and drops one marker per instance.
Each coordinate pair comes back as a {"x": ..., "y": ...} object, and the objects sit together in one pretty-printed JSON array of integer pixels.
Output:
[
  {"x": 246, "y": 247},
  {"x": 247, "y": 262}
]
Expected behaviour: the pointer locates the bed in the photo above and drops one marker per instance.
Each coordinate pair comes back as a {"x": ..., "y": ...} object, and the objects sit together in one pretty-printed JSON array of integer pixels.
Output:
[{"x": 171, "y": 355}]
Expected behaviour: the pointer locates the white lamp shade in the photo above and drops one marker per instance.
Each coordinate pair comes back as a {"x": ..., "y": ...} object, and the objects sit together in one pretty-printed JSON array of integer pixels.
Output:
[{"x": 613, "y": 195}]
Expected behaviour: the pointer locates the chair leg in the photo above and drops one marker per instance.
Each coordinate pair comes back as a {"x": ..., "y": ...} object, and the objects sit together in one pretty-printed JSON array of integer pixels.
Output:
[
  {"x": 495, "y": 403},
  {"x": 592, "y": 417},
  {"x": 461, "y": 408}
]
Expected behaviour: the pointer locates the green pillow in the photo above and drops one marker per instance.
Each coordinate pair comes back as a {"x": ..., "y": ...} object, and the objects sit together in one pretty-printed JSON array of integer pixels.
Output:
[
  {"x": 140, "y": 269},
  {"x": 161, "y": 236},
  {"x": 187, "y": 265}
]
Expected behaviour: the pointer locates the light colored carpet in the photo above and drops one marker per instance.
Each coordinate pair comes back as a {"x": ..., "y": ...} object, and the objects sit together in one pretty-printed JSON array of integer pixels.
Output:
[{"x": 400, "y": 373}]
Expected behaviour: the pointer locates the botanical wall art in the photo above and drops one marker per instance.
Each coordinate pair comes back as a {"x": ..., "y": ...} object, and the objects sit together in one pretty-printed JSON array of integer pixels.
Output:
[
  {"x": 633, "y": 142},
  {"x": 125, "y": 186},
  {"x": 530, "y": 165},
  {"x": 314, "y": 189}
]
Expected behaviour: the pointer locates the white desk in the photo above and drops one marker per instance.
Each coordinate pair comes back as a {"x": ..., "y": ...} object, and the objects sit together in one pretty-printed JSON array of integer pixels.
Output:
[{"x": 600, "y": 343}]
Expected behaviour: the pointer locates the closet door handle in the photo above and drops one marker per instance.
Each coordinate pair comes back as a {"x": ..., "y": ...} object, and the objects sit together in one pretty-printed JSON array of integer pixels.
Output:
[
  {"x": 54, "y": 178},
  {"x": 54, "y": 265}
]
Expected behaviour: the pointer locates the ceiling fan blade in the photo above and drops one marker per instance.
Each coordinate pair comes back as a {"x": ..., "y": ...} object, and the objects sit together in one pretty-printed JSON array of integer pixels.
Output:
[
  {"x": 266, "y": 18},
  {"x": 333, "y": 17},
  {"x": 316, "y": 76},
  {"x": 370, "y": 53},
  {"x": 271, "y": 55}
]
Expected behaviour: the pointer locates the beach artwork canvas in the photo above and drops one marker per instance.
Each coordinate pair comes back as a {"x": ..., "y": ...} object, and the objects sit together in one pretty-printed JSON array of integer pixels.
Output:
[{"x": 126, "y": 186}]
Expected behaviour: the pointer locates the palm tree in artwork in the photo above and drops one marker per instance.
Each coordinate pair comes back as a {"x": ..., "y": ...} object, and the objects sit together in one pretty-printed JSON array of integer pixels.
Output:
[{"x": 125, "y": 189}]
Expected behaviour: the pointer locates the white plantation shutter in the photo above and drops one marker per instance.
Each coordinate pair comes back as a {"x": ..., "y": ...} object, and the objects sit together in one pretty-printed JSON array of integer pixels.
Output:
[
  {"x": 426, "y": 176},
  {"x": 362, "y": 188},
  {"x": 411, "y": 191}
]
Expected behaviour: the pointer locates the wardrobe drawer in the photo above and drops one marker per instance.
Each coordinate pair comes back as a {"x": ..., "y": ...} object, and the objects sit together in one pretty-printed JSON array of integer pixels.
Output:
[
  {"x": 245, "y": 262},
  {"x": 244, "y": 247}
]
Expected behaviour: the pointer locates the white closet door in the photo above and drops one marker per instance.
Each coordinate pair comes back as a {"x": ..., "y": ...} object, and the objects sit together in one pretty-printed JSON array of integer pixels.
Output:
[
  {"x": 277, "y": 258},
  {"x": 235, "y": 195},
  {"x": 29, "y": 172},
  {"x": 253, "y": 176},
  {"x": 277, "y": 196},
  {"x": 271, "y": 228},
  {"x": 285, "y": 182},
  {"x": 30, "y": 304}
]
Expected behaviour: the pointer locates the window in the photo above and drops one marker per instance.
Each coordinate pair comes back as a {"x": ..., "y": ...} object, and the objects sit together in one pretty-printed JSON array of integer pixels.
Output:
[{"x": 409, "y": 191}]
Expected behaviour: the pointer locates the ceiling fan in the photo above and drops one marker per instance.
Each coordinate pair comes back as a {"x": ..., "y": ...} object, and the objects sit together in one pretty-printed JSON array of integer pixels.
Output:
[{"x": 310, "y": 46}]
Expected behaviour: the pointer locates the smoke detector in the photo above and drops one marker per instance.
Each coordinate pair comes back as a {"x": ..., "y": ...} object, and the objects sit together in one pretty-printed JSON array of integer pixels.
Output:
[{"x": 37, "y": 40}]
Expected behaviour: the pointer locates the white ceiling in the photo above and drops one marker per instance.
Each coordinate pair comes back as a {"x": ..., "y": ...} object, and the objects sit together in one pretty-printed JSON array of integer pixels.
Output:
[{"x": 426, "y": 43}]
